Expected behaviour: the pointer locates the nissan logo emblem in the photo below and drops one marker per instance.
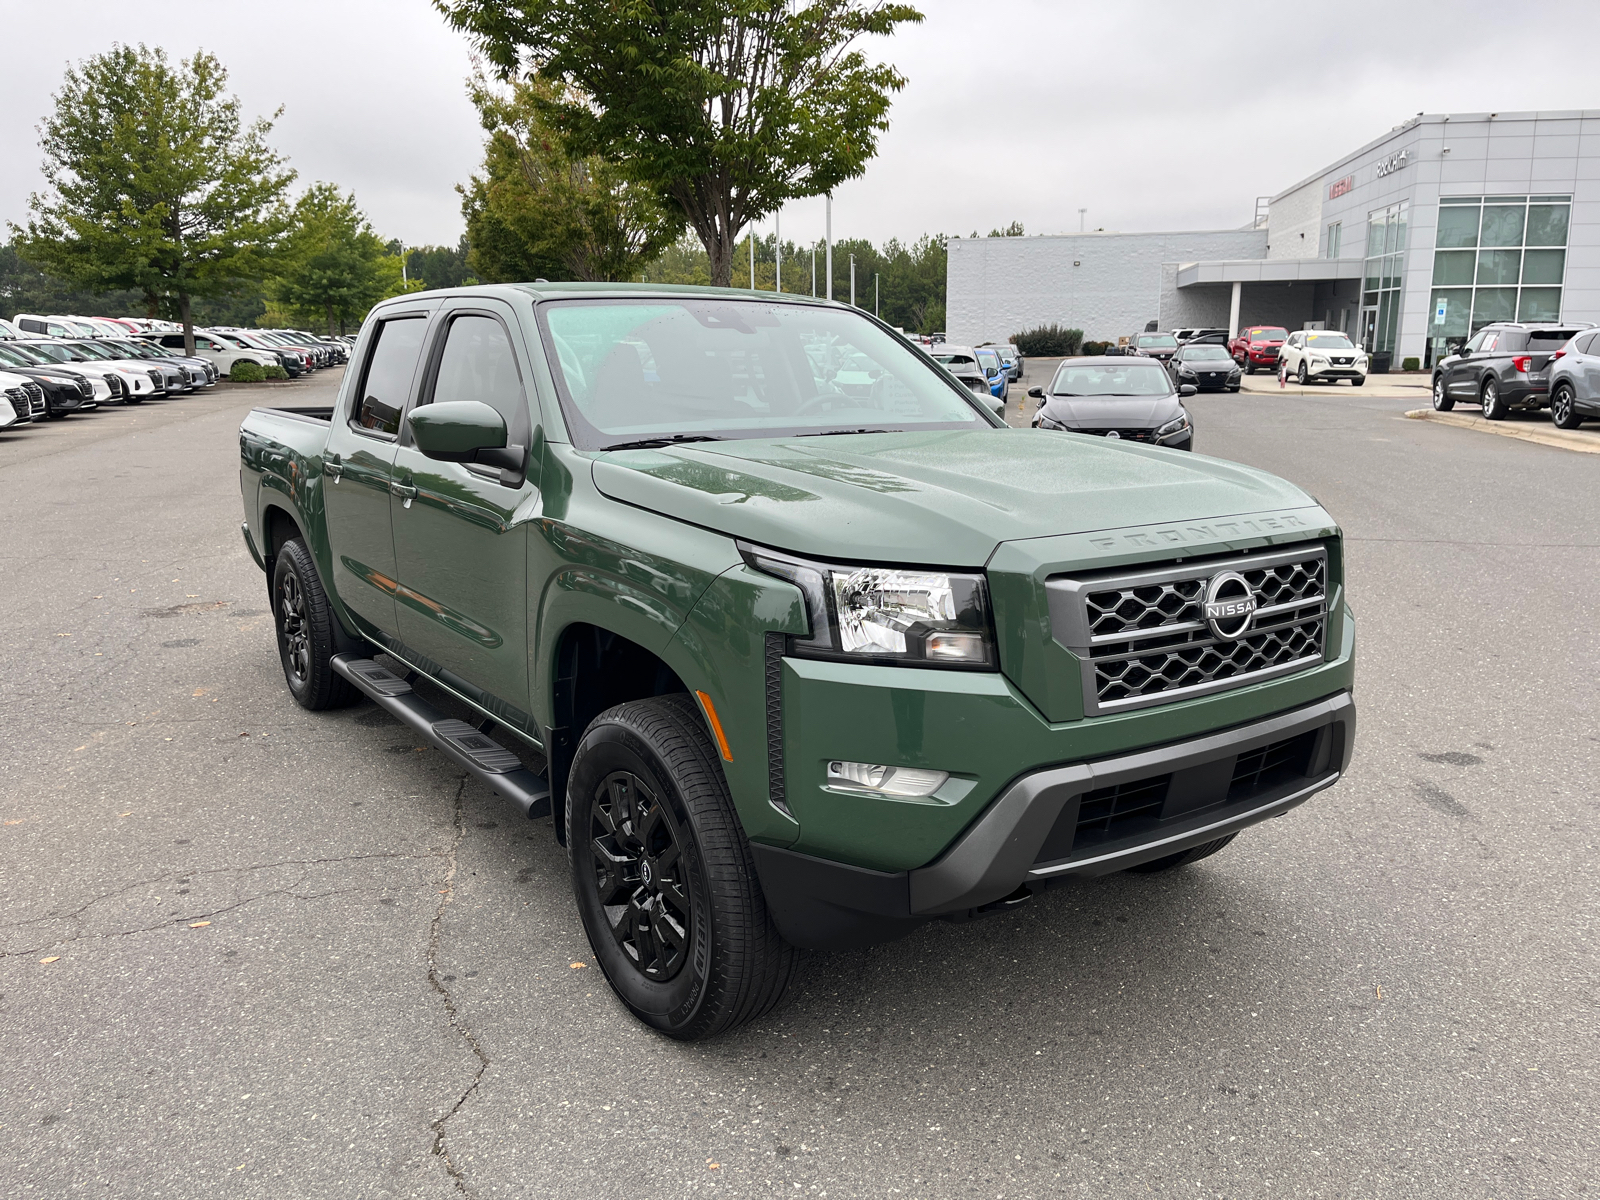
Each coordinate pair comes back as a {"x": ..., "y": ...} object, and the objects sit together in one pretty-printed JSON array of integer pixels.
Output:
[{"x": 1230, "y": 606}]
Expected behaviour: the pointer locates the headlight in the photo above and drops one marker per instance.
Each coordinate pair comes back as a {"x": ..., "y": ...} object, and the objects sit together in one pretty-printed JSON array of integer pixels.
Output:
[
  {"x": 1177, "y": 425},
  {"x": 1319, "y": 358},
  {"x": 887, "y": 614}
]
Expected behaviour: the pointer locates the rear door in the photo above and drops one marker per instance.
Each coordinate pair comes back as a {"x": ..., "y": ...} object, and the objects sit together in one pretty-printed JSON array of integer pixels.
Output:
[
  {"x": 460, "y": 530},
  {"x": 1586, "y": 371},
  {"x": 358, "y": 467}
]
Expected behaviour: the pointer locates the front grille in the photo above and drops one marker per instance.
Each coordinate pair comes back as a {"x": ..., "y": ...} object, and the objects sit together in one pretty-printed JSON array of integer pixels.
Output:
[
  {"x": 1109, "y": 813},
  {"x": 1143, "y": 638},
  {"x": 38, "y": 406},
  {"x": 1127, "y": 435},
  {"x": 158, "y": 379},
  {"x": 20, "y": 404},
  {"x": 85, "y": 388}
]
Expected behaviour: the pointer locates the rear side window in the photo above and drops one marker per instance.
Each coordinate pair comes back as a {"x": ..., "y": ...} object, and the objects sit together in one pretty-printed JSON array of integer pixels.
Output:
[
  {"x": 1548, "y": 340},
  {"x": 386, "y": 382},
  {"x": 478, "y": 363},
  {"x": 1582, "y": 345}
]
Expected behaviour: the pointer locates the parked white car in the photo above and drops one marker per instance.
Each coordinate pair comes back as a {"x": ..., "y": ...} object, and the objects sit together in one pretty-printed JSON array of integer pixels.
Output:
[
  {"x": 1323, "y": 356},
  {"x": 17, "y": 404},
  {"x": 131, "y": 384},
  {"x": 215, "y": 351},
  {"x": 66, "y": 327},
  {"x": 8, "y": 331}
]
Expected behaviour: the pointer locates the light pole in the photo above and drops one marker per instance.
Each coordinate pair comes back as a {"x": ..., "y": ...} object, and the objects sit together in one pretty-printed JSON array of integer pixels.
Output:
[
  {"x": 852, "y": 281},
  {"x": 777, "y": 251},
  {"x": 874, "y": 293},
  {"x": 752, "y": 258},
  {"x": 1081, "y": 211},
  {"x": 813, "y": 272},
  {"x": 828, "y": 233}
]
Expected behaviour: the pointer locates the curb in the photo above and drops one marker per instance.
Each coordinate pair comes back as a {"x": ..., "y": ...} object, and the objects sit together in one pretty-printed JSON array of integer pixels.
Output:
[{"x": 1561, "y": 439}]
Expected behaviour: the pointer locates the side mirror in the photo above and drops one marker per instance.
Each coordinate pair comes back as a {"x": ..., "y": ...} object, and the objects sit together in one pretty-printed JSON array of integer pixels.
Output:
[
  {"x": 1463, "y": 351},
  {"x": 466, "y": 431},
  {"x": 1036, "y": 392},
  {"x": 1186, "y": 389}
]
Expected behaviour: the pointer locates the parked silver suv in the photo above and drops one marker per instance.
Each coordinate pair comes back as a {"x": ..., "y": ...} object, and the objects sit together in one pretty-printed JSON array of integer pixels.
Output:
[{"x": 1575, "y": 381}]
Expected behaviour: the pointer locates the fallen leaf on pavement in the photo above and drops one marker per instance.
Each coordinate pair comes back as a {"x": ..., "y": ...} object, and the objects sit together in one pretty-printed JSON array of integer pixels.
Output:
[
  {"x": 579, "y": 966},
  {"x": 17, "y": 821},
  {"x": 198, "y": 924},
  {"x": 51, "y": 959},
  {"x": 129, "y": 813}
]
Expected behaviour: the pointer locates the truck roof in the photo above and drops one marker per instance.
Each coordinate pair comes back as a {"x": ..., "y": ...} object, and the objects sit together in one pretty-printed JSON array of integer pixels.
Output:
[{"x": 575, "y": 290}]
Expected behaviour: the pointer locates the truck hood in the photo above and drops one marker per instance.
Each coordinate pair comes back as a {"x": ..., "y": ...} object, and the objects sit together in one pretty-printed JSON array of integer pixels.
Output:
[{"x": 939, "y": 498}]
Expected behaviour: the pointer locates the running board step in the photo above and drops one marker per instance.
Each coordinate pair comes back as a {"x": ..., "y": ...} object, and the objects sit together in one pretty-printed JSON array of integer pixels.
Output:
[{"x": 462, "y": 744}]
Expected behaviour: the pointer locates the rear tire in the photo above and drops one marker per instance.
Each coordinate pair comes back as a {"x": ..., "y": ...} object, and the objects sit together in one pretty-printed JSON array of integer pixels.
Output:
[
  {"x": 663, "y": 876},
  {"x": 1441, "y": 402},
  {"x": 1564, "y": 412},
  {"x": 1494, "y": 409},
  {"x": 308, "y": 632},
  {"x": 1193, "y": 854}
]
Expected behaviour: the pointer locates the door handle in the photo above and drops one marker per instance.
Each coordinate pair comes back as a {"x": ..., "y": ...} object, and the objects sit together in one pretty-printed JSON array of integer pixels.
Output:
[
  {"x": 405, "y": 491},
  {"x": 332, "y": 467}
]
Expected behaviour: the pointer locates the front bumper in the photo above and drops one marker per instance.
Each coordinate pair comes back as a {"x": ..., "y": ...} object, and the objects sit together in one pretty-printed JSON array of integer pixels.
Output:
[
  {"x": 1061, "y": 822},
  {"x": 1331, "y": 371}
]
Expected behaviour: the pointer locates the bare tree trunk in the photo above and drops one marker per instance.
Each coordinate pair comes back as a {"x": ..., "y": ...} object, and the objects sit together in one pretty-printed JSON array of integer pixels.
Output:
[
  {"x": 186, "y": 314},
  {"x": 330, "y": 318}
]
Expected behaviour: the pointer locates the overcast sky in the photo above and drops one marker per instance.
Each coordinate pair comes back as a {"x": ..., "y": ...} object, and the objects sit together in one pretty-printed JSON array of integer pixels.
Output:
[{"x": 1155, "y": 116}]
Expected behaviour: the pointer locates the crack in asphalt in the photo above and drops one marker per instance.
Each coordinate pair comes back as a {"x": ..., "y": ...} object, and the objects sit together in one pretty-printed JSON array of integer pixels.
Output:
[
  {"x": 457, "y": 1176},
  {"x": 176, "y": 921}
]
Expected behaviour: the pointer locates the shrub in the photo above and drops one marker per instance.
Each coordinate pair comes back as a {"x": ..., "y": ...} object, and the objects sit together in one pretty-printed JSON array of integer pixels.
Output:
[
  {"x": 1411, "y": 364},
  {"x": 1049, "y": 341},
  {"x": 245, "y": 371},
  {"x": 1094, "y": 347},
  {"x": 274, "y": 371}
]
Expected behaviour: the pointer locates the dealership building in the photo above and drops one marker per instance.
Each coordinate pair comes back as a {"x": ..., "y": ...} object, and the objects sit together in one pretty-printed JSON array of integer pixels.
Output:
[{"x": 1419, "y": 238}]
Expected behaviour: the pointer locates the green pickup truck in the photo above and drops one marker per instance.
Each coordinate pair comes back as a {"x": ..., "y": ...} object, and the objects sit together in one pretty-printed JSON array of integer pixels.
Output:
[{"x": 797, "y": 642}]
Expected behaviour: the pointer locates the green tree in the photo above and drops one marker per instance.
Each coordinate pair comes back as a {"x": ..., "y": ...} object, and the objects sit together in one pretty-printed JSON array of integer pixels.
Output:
[
  {"x": 157, "y": 183},
  {"x": 332, "y": 267},
  {"x": 538, "y": 211},
  {"x": 723, "y": 108},
  {"x": 441, "y": 266}
]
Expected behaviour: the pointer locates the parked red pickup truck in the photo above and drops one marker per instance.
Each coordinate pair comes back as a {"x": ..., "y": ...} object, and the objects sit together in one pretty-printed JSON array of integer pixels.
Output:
[{"x": 1258, "y": 346}]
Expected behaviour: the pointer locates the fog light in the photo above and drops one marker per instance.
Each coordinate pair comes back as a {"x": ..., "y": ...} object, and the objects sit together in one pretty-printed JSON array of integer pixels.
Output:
[
  {"x": 886, "y": 781},
  {"x": 955, "y": 647}
]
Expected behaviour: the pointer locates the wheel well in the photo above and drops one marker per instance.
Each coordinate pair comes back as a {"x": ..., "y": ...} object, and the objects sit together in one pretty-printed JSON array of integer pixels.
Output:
[
  {"x": 279, "y": 528},
  {"x": 596, "y": 670}
]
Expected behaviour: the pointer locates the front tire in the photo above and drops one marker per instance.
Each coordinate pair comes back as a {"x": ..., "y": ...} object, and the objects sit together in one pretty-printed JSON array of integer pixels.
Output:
[
  {"x": 308, "y": 632},
  {"x": 1358, "y": 381},
  {"x": 1301, "y": 376},
  {"x": 1564, "y": 409},
  {"x": 1441, "y": 402},
  {"x": 1494, "y": 408},
  {"x": 663, "y": 875}
]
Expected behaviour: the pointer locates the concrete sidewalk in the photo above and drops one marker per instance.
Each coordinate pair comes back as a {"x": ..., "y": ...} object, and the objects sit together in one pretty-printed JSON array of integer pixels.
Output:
[
  {"x": 1418, "y": 387},
  {"x": 1534, "y": 428}
]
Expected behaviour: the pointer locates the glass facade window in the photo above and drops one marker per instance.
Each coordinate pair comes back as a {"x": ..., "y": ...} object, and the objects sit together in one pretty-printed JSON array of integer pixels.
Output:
[
  {"x": 1495, "y": 258},
  {"x": 1380, "y": 295},
  {"x": 1335, "y": 234}
]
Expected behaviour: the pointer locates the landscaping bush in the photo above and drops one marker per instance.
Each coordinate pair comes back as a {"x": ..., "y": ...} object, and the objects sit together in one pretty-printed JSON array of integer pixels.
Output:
[
  {"x": 1411, "y": 364},
  {"x": 1095, "y": 347},
  {"x": 274, "y": 371},
  {"x": 1049, "y": 341},
  {"x": 245, "y": 371}
]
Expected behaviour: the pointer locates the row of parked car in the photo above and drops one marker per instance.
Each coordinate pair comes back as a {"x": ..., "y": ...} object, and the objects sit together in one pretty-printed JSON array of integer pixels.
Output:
[
  {"x": 1520, "y": 366},
  {"x": 1213, "y": 360},
  {"x": 51, "y": 366},
  {"x": 987, "y": 370}
]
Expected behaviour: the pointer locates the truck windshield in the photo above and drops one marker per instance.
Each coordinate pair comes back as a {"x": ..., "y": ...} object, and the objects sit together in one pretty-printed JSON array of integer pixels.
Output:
[
  {"x": 1156, "y": 341},
  {"x": 674, "y": 370}
]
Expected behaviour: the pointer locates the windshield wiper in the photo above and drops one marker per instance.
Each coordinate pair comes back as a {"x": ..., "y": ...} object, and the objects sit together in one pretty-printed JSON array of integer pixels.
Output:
[
  {"x": 654, "y": 443},
  {"x": 837, "y": 432}
]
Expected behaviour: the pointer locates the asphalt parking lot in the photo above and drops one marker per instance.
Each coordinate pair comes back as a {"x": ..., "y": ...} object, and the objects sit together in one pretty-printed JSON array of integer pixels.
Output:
[{"x": 252, "y": 951}]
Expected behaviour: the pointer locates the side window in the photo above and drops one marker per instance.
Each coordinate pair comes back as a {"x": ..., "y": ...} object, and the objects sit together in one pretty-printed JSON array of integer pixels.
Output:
[
  {"x": 1476, "y": 343},
  {"x": 386, "y": 381},
  {"x": 478, "y": 363},
  {"x": 1489, "y": 342}
]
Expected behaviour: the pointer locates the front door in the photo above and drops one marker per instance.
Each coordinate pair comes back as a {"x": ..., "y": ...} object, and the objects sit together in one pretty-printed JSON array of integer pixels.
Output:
[
  {"x": 460, "y": 530},
  {"x": 358, "y": 468},
  {"x": 1369, "y": 329}
]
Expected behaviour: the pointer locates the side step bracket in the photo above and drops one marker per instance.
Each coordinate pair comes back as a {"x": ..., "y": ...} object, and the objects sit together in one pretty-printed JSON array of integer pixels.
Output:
[{"x": 464, "y": 745}]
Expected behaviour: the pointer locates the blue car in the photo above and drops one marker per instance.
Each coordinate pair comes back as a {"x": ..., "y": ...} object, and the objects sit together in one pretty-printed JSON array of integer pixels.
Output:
[{"x": 995, "y": 369}]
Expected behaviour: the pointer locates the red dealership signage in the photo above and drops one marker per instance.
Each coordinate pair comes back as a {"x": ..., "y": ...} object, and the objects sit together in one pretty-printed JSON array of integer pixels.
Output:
[{"x": 1335, "y": 190}]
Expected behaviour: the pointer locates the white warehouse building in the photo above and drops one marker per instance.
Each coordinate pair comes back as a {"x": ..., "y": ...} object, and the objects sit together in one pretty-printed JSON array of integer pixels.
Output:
[{"x": 1419, "y": 238}]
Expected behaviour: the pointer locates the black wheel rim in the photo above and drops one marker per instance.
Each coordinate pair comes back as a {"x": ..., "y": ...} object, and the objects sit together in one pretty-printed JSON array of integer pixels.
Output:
[
  {"x": 636, "y": 850},
  {"x": 296, "y": 630}
]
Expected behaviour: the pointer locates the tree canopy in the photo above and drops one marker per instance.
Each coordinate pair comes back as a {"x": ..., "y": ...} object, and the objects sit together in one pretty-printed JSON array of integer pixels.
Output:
[
  {"x": 332, "y": 267},
  {"x": 538, "y": 211},
  {"x": 157, "y": 183},
  {"x": 724, "y": 109}
]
